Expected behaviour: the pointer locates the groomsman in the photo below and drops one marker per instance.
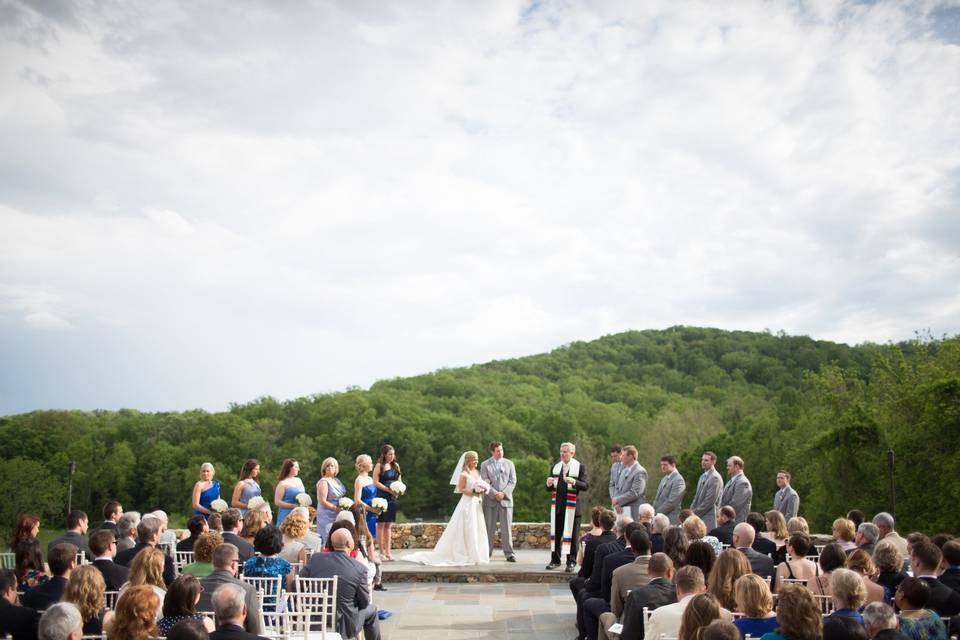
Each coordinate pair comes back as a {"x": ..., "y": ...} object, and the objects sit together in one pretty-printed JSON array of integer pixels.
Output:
[
  {"x": 567, "y": 480},
  {"x": 501, "y": 475},
  {"x": 786, "y": 500},
  {"x": 706, "y": 502},
  {"x": 616, "y": 453},
  {"x": 671, "y": 489},
  {"x": 738, "y": 492},
  {"x": 631, "y": 483}
]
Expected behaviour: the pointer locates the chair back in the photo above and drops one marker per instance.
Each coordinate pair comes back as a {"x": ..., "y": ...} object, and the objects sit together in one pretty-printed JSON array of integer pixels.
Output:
[
  {"x": 182, "y": 559},
  {"x": 270, "y": 593},
  {"x": 111, "y": 599},
  {"x": 314, "y": 605},
  {"x": 8, "y": 560},
  {"x": 824, "y": 602}
]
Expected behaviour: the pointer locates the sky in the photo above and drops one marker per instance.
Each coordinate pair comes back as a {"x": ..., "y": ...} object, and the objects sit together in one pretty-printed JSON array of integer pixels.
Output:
[{"x": 202, "y": 203}]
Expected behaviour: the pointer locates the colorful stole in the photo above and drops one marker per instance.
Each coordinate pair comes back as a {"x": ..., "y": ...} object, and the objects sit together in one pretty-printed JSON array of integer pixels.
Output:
[{"x": 570, "y": 510}]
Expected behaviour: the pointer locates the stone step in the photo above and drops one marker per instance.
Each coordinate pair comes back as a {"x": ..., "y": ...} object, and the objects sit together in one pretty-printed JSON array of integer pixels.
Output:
[{"x": 529, "y": 568}]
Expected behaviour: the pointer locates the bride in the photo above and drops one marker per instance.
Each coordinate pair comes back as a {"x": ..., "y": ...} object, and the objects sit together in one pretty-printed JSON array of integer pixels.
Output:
[{"x": 464, "y": 541}]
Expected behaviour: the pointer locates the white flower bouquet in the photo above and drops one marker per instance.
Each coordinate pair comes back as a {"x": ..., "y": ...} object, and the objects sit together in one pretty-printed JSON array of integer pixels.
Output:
[
  {"x": 219, "y": 505},
  {"x": 398, "y": 488},
  {"x": 303, "y": 499},
  {"x": 256, "y": 503},
  {"x": 480, "y": 488},
  {"x": 379, "y": 505},
  {"x": 345, "y": 504}
]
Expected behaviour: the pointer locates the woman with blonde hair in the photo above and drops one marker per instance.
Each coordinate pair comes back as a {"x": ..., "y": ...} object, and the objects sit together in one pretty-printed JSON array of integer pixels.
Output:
[
  {"x": 861, "y": 563},
  {"x": 253, "y": 521},
  {"x": 138, "y": 610},
  {"x": 730, "y": 566},
  {"x": 844, "y": 534},
  {"x": 798, "y": 524},
  {"x": 695, "y": 529},
  {"x": 889, "y": 561},
  {"x": 205, "y": 491},
  {"x": 699, "y": 612},
  {"x": 848, "y": 594},
  {"x": 87, "y": 590},
  {"x": 293, "y": 530},
  {"x": 147, "y": 570},
  {"x": 329, "y": 491},
  {"x": 798, "y": 616},
  {"x": 364, "y": 491},
  {"x": 755, "y": 602}
]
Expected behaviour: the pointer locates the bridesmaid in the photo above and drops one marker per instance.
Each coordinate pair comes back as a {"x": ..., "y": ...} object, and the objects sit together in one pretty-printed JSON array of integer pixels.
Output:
[
  {"x": 329, "y": 491},
  {"x": 248, "y": 487},
  {"x": 289, "y": 486},
  {"x": 386, "y": 472},
  {"x": 364, "y": 491},
  {"x": 205, "y": 491}
]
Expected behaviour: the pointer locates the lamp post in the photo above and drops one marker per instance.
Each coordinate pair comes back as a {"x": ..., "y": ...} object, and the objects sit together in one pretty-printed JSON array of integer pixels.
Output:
[
  {"x": 71, "y": 469},
  {"x": 893, "y": 486}
]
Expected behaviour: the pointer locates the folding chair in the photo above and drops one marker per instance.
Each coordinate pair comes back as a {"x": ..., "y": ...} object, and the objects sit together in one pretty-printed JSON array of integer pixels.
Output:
[
  {"x": 8, "y": 560},
  {"x": 111, "y": 598},
  {"x": 182, "y": 559},
  {"x": 313, "y": 608},
  {"x": 270, "y": 593},
  {"x": 825, "y": 603}
]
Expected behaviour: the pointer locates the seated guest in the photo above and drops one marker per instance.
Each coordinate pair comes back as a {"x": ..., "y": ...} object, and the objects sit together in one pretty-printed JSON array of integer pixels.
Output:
[
  {"x": 27, "y": 526},
  {"x": 844, "y": 533},
  {"x": 147, "y": 570},
  {"x": 925, "y": 558},
  {"x": 684, "y": 514},
  {"x": 168, "y": 539},
  {"x": 743, "y": 538},
  {"x": 196, "y": 525},
  {"x": 180, "y": 603},
  {"x": 701, "y": 554},
  {"x": 63, "y": 559},
  {"x": 797, "y": 567},
  {"x": 831, "y": 558},
  {"x": 885, "y": 524},
  {"x": 659, "y": 591},
  {"x": 225, "y": 563},
  {"x": 776, "y": 526},
  {"x": 87, "y": 590},
  {"x": 675, "y": 545},
  {"x": 725, "y": 523},
  {"x": 310, "y": 540},
  {"x": 848, "y": 594},
  {"x": 696, "y": 530},
  {"x": 798, "y": 524},
  {"x": 137, "y": 612},
  {"x": 721, "y": 630},
  {"x": 111, "y": 514},
  {"x": 660, "y": 525},
  {"x": 28, "y": 564},
  {"x": 103, "y": 546},
  {"x": 589, "y": 587},
  {"x": 231, "y": 521},
  {"x": 730, "y": 566},
  {"x": 293, "y": 529},
  {"x": 950, "y": 566},
  {"x": 755, "y": 601},
  {"x": 761, "y": 544},
  {"x": 601, "y": 532},
  {"x": 843, "y": 628},
  {"x": 598, "y": 586},
  {"x": 76, "y": 533},
  {"x": 60, "y": 622},
  {"x": 215, "y": 523},
  {"x": 861, "y": 563},
  {"x": 889, "y": 563},
  {"x": 856, "y": 517},
  {"x": 645, "y": 516},
  {"x": 148, "y": 536},
  {"x": 798, "y": 616},
  {"x": 667, "y": 619},
  {"x": 229, "y": 604},
  {"x": 881, "y": 623},
  {"x": 867, "y": 536},
  {"x": 700, "y": 612},
  {"x": 269, "y": 564},
  {"x": 253, "y": 521},
  {"x": 624, "y": 579},
  {"x": 19, "y": 623},
  {"x": 189, "y": 630},
  {"x": 916, "y": 620},
  {"x": 127, "y": 530},
  {"x": 202, "y": 564}
]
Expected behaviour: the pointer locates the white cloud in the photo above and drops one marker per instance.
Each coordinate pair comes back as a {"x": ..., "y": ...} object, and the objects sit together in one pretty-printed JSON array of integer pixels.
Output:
[{"x": 317, "y": 196}]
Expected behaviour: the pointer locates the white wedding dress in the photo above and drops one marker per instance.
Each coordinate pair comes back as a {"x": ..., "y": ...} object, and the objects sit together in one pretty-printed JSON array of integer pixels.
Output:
[{"x": 464, "y": 541}]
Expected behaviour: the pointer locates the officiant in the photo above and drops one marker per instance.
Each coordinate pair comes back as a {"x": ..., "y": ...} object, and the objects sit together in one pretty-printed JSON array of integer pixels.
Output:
[{"x": 566, "y": 482}]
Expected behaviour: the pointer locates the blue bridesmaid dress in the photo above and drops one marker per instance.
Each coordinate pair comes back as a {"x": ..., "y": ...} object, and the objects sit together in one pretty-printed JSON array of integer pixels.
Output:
[
  {"x": 250, "y": 491},
  {"x": 290, "y": 495},
  {"x": 367, "y": 494},
  {"x": 207, "y": 497}
]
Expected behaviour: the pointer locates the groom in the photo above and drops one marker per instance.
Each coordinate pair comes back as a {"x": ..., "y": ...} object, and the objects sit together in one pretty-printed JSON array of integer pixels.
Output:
[
  {"x": 501, "y": 475},
  {"x": 567, "y": 480}
]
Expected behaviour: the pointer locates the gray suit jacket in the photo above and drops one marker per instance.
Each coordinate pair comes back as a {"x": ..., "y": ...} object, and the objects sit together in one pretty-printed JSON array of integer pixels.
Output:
[
  {"x": 253, "y": 623},
  {"x": 504, "y": 481},
  {"x": 353, "y": 595},
  {"x": 787, "y": 502},
  {"x": 615, "y": 469},
  {"x": 706, "y": 502},
  {"x": 670, "y": 495},
  {"x": 738, "y": 493},
  {"x": 631, "y": 486}
]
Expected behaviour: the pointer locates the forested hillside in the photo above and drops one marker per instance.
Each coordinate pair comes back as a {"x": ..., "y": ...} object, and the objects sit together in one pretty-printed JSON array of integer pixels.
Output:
[{"x": 827, "y": 412}]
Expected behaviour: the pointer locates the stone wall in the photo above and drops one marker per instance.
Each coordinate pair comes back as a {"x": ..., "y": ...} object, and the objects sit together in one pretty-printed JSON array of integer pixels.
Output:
[{"x": 424, "y": 535}]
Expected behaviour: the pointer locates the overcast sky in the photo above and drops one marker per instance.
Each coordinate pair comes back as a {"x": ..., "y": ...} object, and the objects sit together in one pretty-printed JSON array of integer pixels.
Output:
[{"x": 206, "y": 202}]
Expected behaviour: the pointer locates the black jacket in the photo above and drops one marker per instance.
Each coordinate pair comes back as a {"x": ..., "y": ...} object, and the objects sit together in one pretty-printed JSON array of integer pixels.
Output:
[
  {"x": 20, "y": 623},
  {"x": 759, "y": 564},
  {"x": 724, "y": 532},
  {"x": 44, "y": 595},
  {"x": 657, "y": 593},
  {"x": 944, "y": 600},
  {"x": 124, "y": 558},
  {"x": 113, "y": 574},
  {"x": 592, "y": 585},
  {"x": 590, "y": 548},
  {"x": 233, "y": 632}
]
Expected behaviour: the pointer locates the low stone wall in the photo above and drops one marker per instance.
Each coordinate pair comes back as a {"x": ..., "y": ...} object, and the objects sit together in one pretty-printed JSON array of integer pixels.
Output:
[{"x": 424, "y": 535}]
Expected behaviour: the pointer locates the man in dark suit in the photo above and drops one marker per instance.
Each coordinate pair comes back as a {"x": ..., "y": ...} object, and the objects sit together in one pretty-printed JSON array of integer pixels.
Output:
[
  {"x": 761, "y": 544},
  {"x": 568, "y": 478},
  {"x": 724, "y": 531},
  {"x": 760, "y": 564},
  {"x": 950, "y": 564},
  {"x": 355, "y": 611},
  {"x": 76, "y": 533},
  {"x": 925, "y": 559},
  {"x": 197, "y": 526},
  {"x": 593, "y": 587},
  {"x": 658, "y": 592},
  {"x": 111, "y": 514},
  {"x": 148, "y": 534},
  {"x": 232, "y": 520},
  {"x": 621, "y": 572},
  {"x": 104, "y": 547},
  {"x": 20, "y": 623},
  {"x": 607, "y": 520},
  {"x": 62, "y": 560},
  {"x": 225, "y": 564},
  {"x": 230, "y": 607}
]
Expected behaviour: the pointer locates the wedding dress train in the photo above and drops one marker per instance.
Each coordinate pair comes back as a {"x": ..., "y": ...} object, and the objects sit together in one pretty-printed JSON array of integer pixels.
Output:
[{"x": 464, "y": 541}]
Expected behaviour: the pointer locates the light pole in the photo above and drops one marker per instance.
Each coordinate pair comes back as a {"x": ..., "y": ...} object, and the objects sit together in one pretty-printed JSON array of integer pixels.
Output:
[
  {"x": 893, "y": 485},
  {"x": 71, "y": 469}
]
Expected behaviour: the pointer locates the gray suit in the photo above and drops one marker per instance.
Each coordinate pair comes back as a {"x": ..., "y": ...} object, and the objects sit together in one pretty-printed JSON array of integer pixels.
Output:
[
  {"x": 502, "y": 479},
  {"x": 630, "y": 488},
  {"x": 254, "y": 621},
  {"x": 706, "y": 502},
  {"x": 670, "y": 495},
  {"x": 787, "y": 502},
  {"x": 615, "y": 469},
  {"x": 355, "y": 610},
  {"x": 738, "y": 493}
]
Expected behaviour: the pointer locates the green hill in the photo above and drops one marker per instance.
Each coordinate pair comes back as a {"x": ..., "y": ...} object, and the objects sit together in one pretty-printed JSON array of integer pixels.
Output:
[{"x": 827, "y": 412}]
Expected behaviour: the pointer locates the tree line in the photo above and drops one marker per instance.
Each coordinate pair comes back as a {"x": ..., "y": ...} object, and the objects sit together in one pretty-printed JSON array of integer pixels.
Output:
[{"x": 827, "y": 412}]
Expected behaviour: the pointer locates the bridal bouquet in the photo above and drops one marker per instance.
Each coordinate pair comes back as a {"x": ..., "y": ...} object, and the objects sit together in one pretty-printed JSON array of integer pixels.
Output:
[
  {"x": 256, "y": 503},
  {"x": 345, "y": 504},
  {"x": 480, "y": 488},
  {"x": 219, "y": 506},
  {"x": 398, "y": 488},
  {"x": 379, "y": 505},
  {"x": 303, "y": 499}
]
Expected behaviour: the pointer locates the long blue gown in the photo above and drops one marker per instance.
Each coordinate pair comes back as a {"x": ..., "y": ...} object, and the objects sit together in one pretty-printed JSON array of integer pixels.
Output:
[
  {"x": 325, "y": 517},
  {"x": 367, "y": 494},
  {"x": 207, "y": 497},
  {"x": 294, "y": 489},
  {"x": 251, "y": 489}
]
